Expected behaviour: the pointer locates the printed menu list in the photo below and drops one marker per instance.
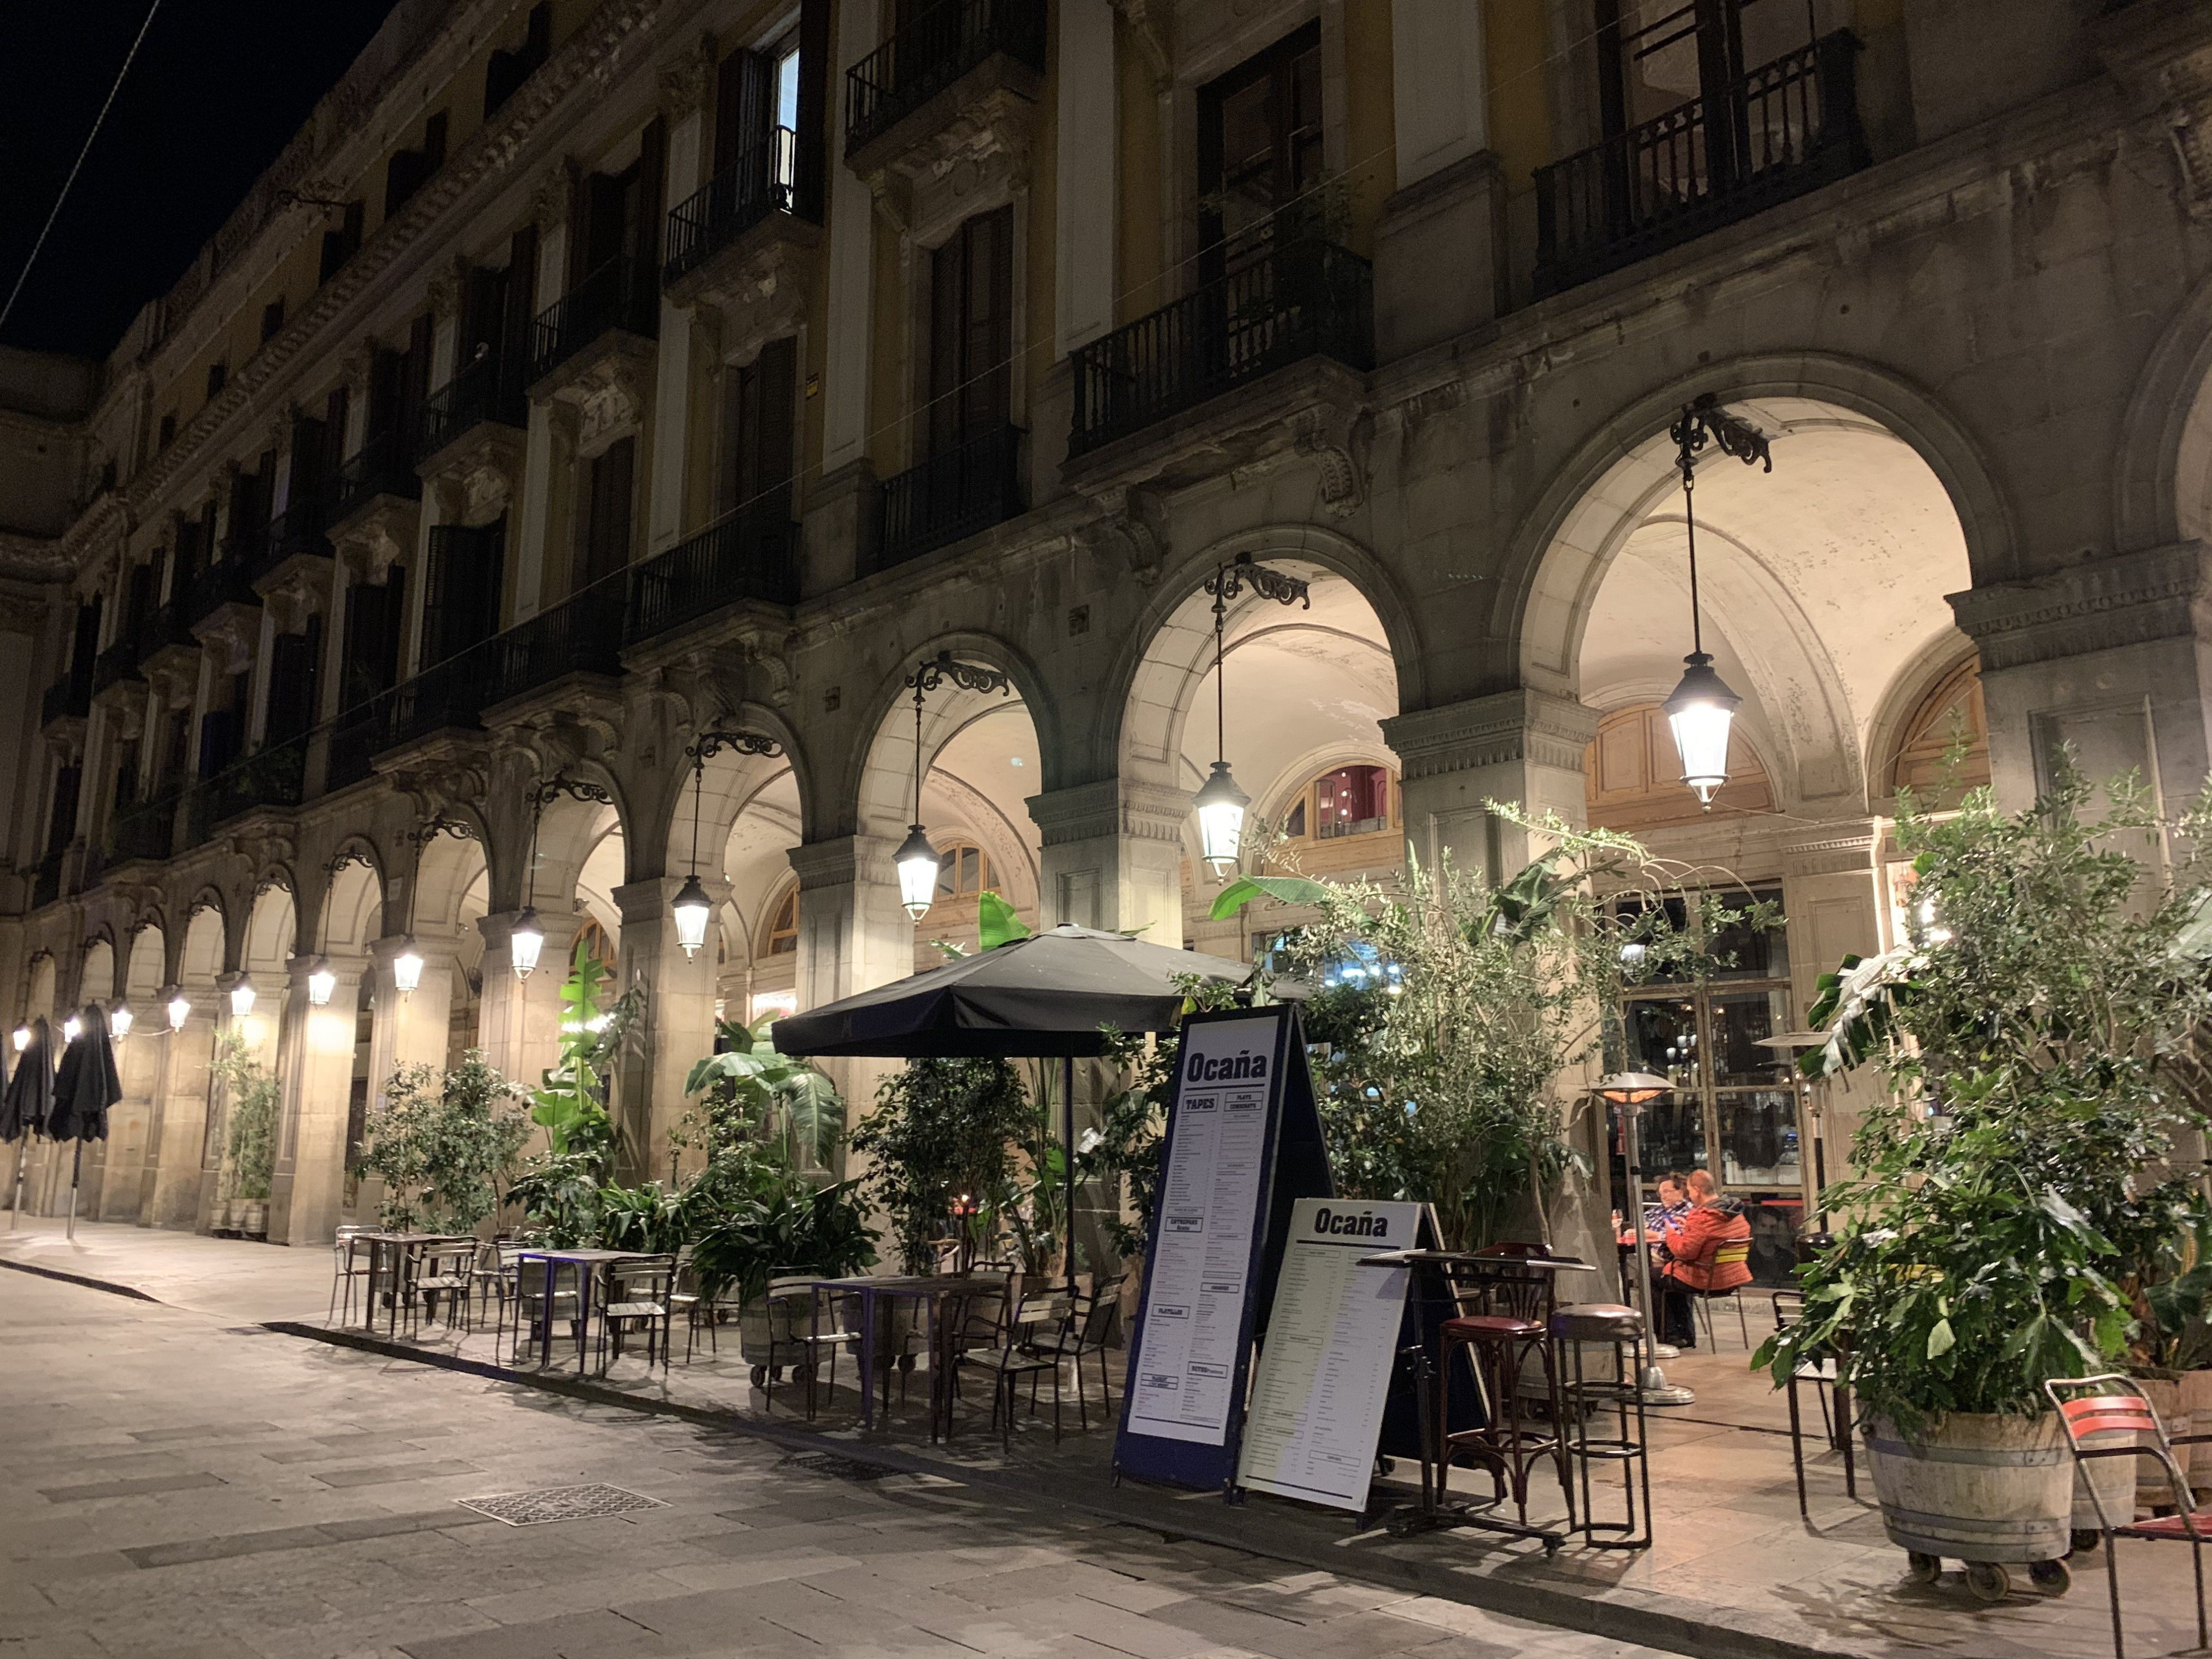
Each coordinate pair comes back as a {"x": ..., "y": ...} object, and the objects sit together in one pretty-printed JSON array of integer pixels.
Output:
[
  {"x": 1209, "y": 1207},
  {"x": 1324, "y": 1374}
]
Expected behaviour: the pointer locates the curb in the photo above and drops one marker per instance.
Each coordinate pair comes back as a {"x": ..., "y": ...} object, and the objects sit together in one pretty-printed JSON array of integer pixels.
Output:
[
  {"x": 88, "y": 1283},
  {"x": 1644, "y": 1618}
]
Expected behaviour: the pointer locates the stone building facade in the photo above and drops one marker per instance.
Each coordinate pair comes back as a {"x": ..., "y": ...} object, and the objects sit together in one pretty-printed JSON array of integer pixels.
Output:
[{"x": 592, "y": 377}]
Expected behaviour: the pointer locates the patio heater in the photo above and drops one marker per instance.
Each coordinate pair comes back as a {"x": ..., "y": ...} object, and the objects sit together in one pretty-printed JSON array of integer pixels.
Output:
[
  {"x": 916, "y": 860},
  {"x": 1703, "y": 708},
  {"x": 1631, "y": 1091},
  {"x": 1219, "y": 802}
]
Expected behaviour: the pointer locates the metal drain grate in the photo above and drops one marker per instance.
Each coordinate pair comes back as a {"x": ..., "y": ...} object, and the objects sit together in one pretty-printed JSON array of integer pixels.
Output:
[
  {"x": 837, "y": 1467},
  {"x": 535, "y": 1509}
]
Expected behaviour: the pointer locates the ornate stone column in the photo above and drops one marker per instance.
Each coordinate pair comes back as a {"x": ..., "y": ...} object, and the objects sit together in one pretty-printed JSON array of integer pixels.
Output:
[
  {"x": 1113, "y": 857},
  {"x": 679, "y": 1017},
  {"x": 318, "y": 1047}
]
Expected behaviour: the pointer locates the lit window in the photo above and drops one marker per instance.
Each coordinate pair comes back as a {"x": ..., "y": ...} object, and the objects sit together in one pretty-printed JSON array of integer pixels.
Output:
[
  {"x": 964, "y": 871},
  {"x": 1352, "y": 800},
  {"x": 783, "y": 927}
]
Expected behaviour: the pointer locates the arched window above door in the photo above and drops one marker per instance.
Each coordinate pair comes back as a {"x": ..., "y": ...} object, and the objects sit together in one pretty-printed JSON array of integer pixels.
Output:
[
  {"x": 1950, "y": 715},
  {"x": 1632, "y": 778}
]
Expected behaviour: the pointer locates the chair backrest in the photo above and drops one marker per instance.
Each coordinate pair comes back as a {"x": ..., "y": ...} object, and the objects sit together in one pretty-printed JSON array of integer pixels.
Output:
[
  {"x": 2111, "y": 1405},
  {"x": 1788, "y": 1309},
  {"x": 1732, "y": 1256},
  {"x": 446, "y": 1260},
  {"x": 651, "y": 1275},
  {"x": 1497, "y": 1288},
  {"x": 1036, "y": 1309},
  {"x": 1101, "y": 1317}
]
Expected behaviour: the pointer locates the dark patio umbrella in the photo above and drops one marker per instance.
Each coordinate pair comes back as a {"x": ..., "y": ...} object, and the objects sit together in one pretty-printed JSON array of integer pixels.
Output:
[
  {"x": 29, "y": 1100},
  {"x": 86, "y": 1086},
  {"x": 1041, "y": 996}
]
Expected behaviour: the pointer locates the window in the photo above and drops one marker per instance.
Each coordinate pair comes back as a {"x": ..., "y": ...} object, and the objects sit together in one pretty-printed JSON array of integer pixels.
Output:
[
  {"x": 340, "y": 245},
  {"x": 462, "y": 588},
  {"x": 510, "y": 68},
  {"x": 1351, "y": 800},
  {"x": 1260, "y": 149},
  {"x": 407, "y": 170},
  {"x": 594, "y": 940},
  {"x": 1656, "y": 56},
  {"x": 1950, "y": 716},
  {"x": 218, "y": 375},
  {"x": 272, "y": 320},
  {"x": 971, "y": 333},
  {"x": 782, "y": 938},
  {"x": 167, "y": 432},
  {"x": 1632, "y": 778},
  {"x": 756, "y": 120},
  {"x": 606, "y": 523},
  {"x": 964, "y": 871}
]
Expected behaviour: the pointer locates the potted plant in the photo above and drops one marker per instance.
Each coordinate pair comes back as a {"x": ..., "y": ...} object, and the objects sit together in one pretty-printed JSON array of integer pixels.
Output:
[
  {"x": 2023, "y": 1029},
  {"x": 443, "y": 1145},
  {"x": 559, "y": 1189},
  {"x": 250, "y": 1142},
  {"x": 790, "y": 1226}
]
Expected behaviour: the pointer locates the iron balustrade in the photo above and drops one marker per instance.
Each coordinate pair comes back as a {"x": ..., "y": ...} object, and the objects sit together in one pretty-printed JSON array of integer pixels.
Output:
[
  {"x": 753, "y": 553},
  {"x": 147, "y": 831},
  {"x": 951, "y": 495},
  {"x": 479, "y": 394},
  {"x": 230, "y": 582},
  {"x": 1785, "y": 128},
  {"x": 930, "y": 53},
  {"x": 171, "y": 624},
  {"x": 619, "y": 294},
  {"x": 274, "y": 776},
  {"x": 761, "y": 182},
  {"x": 296, "y": 531},
  {"x": 119, "y": 663},
  {"x": 1292, "y": 301},
  {"x": 382, "y": 466},
  {"x": 581, "y": 635},
  {"x": 68, "y": 698}
]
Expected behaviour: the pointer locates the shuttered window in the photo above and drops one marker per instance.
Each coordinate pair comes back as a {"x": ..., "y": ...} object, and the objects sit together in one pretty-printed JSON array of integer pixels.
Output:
[
  {"x": 971, "y": 331},
  {"x": 761, "y": 426},
  {"x": 461, "y": 588},
  {"x": 607, "y": 521}
]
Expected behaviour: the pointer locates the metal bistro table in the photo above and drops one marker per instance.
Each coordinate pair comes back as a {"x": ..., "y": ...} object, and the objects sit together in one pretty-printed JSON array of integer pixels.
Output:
[
  {"x": 587, "y": 1264},
  {"x": 876, "y": 1292},
  {"x": 392, "y": 1262},
  {"x": 1435, "y": 1510}
]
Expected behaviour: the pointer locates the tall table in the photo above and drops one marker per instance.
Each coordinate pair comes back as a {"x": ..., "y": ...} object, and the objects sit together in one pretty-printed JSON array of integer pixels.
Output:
[
  {"x": 588, "y": 1265},
  {"x": 392, "y": 1258},
  {"x": 875, "y": 1292}
]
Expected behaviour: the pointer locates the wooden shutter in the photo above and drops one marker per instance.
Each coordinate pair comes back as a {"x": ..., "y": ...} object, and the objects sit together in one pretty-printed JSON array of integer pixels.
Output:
[
  {"x": 766, "y": 447},
  {"x": 139, "y": 605},
  {"x": 813, "y": 108},
  {"x": 736, "y": 108},
  {"x": 387, "y": 370},
  {"x": 971, "y": 331},
  {"x": 291, "y": 686},
  {"x": 606, "y": 534},
  {"x": 68, "y": 783},
  {"x": 308, "y": 437},
  {"x": 438, "y": 565},
  {"x": 521, "y": 297}
]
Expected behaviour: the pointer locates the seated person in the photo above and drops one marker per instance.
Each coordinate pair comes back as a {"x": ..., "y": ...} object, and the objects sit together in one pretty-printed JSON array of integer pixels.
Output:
[
  {"x": 1692, "y": 1241},
  {"x": 1673, "y": 1203}
]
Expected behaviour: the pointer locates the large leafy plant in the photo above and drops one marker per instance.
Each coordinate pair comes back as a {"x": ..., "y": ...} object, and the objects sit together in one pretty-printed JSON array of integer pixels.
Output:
[
  {"x": 941, "y": 1137},
  {"x": 443, "y": 1143},
  {"x": 2012, "y": 1218},
  {"x": 791, "y": 1225},
  {"x": 753, "y": 1098},
  {"x": 251, "y": 1144},
  {"x": 559, "y": 1189}
]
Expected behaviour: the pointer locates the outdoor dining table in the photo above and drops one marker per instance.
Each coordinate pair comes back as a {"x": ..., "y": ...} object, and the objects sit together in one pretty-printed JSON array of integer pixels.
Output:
[
  {"x": 588, "y": 1265},
  {"x": 392, "y": 1262},
  {"x": 874, "y": 1292}
]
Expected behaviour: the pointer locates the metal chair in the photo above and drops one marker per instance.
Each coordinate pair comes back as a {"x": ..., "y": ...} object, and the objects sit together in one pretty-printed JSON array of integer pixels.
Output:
[
  {"x": 1728, "y": 1256},
  {"x": 537, "y": 1313},
  {"x": 1094, "y": 1327},
  {"x": 494, "y": 1278},
  {"x": 447, "y": 1271},
  {"x": 1505, "y": 1320},
  {"x": 2121, "y": 1410},
  {"x": 1823, "y": 1374},
  {"x": 814, "y": 1342},
  {"x": 1014, "y": 1358},
  {"x": 640, "y": 1296},
  {"x": 351, "y": 1256}
]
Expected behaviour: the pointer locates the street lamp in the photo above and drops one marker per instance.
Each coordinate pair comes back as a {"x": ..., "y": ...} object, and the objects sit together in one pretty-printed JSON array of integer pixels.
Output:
[
  {"x": 241, "y": 998},
  {"x": 1631, "y": 1091},
  {"x": 22, "y": 1038},
  {"x": 1703, "y": 708},
  {"x": 693, "y": 905},
  {"x": 1219, "y": 802},
  {"x": 916, "y": 860},
  {"x": 321, "y": 982},
  {"x": 407, "y": 967},
  {"x": 524, "y": 941},
  {"x": 72, "y": 1029},
  {"x": 180, "y": 1010},
  {"x": 120, "y": 1019}
]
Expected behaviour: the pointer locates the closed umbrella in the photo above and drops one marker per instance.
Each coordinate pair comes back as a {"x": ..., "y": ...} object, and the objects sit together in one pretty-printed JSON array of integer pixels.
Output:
[
  {"x": 28, "y": 1101},
  {"x": 86, "y": 1086},
  {"x": 1043, "y": 995}
]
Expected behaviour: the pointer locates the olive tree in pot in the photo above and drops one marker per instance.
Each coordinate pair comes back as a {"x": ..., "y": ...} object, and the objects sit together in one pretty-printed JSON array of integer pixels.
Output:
[
  {"x": 2009, "y": 1182},
  {"x": 249, "y": 1147}
]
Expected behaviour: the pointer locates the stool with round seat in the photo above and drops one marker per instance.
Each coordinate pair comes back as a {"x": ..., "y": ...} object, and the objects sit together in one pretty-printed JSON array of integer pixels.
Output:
[
  {"x": 1617, "y": 1394},
  {"x": 1509, "y": 1324}
]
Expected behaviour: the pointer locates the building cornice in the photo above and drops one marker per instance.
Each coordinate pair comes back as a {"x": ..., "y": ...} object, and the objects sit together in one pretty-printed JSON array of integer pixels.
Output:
[{"x": 2165, "y": 592}]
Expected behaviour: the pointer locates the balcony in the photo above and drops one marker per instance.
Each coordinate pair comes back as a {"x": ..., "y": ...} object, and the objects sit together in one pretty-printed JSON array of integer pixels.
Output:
[
  {"x": 761, "y": 183},
  {"x": 46, "y": 882},
  {"x": 1784, "y": 130},
  {"x": 943, "y": 45},
  {"x": 443, "y": 697},
  {"x": 479, "y": 395},
  {"x": 297, "y": 532},
  {"x": 273, "y": 776},
  {"x": 69, "y": 698},
  {"x": 581, "y": 635},
  {"x": 217, "y": 587},
  {"x": 147, "y": 831},
  {"x": 168, "y": 628},
  {"x": 616, "y": 297},
  {"x": 1294, "y": 301},
  {"x": 951, "y": 495},
  {"x": 118, "y": 664},
  {"x": 382, "y": 466},
  {"x": 751, "y": 554}
]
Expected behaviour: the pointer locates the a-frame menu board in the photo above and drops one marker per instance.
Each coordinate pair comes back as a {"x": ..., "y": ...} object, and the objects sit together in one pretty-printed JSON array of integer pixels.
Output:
[{"x": 1243, "y": 1144}]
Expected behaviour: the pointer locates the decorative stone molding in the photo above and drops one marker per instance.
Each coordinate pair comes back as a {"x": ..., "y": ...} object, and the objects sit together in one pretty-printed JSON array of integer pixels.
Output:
[
  {"x": 842, "y": 861},
  {"x": 756, "y": 289},
  {"x": 688, "y": 84},
  {"x": 556, "y": 198},
  {"x": 377, "y": 537},
  {"x": 1133, "y": 530},
  {"x": 1837, "y": 850},
  {"x": 1111, "y": 807},
  {"x": 1535, "y": 726},
  {"x": 450, "y": 776},
  {"x": 969, "y": 143},
  {"x": 2165, "y": 592},
  {"x": 449, "y": 288},
  {"x": 1151, "y": 24},
  {"x": 232, "y": 636},
  {"x": 570, "y": 725},
  {"x": 477, "y": 475},
  {"x": 174, "y": 673},
  {"x": 2162, "y": 55}
]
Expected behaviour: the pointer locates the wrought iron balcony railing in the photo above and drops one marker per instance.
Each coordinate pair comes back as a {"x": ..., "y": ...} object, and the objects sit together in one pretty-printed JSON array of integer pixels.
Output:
[
  {"x": 382, "y": 466},
  {"x": 297, "y": 532},
  {"x": 762, "y": 181},
  {"x": 274, "y": 776},
  {"x": 1782, "y": 131},
  {"x": 169, "y": 625},
  {"x": 68, "y": 698},
  {"x": 119, "y": 663},
  {"x": 952, "y": 494},
  {"x": 147, "y": 831},
  {"x": 1290, "y": 300},
  {"x": 230, "y": 582},
  {"x": 751, "y": 554},
  {"x": 580, "y": 635},
  {"x": 930, "y": 53},
  {"x": 618, "y": 295},
  {"x": 481, "y": 393}
]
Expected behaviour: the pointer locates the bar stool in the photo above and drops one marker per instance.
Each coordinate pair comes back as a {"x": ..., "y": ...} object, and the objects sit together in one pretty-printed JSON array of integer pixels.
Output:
[
  {"x": 1607, "y": 1325},
  {"x": 1507, "y": 1320}
]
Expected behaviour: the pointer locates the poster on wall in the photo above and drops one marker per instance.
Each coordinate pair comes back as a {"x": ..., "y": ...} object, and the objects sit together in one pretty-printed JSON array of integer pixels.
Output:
[{"x": 1243, "y": 1143}]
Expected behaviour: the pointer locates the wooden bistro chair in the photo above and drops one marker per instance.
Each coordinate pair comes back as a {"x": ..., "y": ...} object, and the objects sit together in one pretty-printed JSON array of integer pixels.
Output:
[
  {"x": 1094, "y": 1329},
  {"x": 640, "y": 1296},
  {"x": 2097, "y": 1410},
  {"x": 1022, "y": 1354},
  {"x": 814, "y": 1348},
  {"x": 1503, "y": 1324}
]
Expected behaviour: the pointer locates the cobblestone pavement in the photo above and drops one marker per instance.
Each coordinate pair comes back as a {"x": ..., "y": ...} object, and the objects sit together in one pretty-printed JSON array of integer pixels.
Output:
[{"x": 176, "y": 1488}]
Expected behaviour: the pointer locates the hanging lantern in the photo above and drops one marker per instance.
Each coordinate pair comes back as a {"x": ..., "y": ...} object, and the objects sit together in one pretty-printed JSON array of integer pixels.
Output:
[
  {"x": 241, "y": 998},
  {"x": 407, "y": 967},
  {"x": 180, "y": 1010},
  {"x": 1699, "y": 714},
  {"x": 692, "y": 907},
  {"x": 120, "y": 1018},
  {"x": 321, "y": 982},
  {"x": 525, "y": 940},
  {"x": 1220, "y": 806},
  {"x": 72, "y": 1029},
  {"x": 917, "y": 873},
  {"x": 22, "y": 1038}
]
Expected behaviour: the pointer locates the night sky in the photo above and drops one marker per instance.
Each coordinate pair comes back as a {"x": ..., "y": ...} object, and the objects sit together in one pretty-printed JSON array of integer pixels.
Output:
[{"x": 218, "y": 87}]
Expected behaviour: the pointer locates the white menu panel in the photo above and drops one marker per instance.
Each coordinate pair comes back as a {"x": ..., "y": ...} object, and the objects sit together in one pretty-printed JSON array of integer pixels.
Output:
[
  {"x": 1324, "y": 1373},
  {"x": 1208, "y": 1213}
]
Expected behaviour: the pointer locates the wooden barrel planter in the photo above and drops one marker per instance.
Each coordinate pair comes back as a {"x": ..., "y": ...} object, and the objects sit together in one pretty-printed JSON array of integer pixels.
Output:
[{"x": 1990, "y": 1490}]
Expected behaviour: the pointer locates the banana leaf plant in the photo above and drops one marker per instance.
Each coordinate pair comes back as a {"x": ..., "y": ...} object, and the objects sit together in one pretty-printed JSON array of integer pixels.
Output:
[{"x": 750, "y": 1090}]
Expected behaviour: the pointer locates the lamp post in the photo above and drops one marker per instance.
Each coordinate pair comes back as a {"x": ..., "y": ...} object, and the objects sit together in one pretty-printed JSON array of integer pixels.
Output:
[
  {"x": 692, "y": 905},
  {"x": 120, "y": 1019},
  {"x": 1703, "y": 709},
  {"x": 407, "y": 966},
  {"x": 1631, "y": 1091},
  {"x": 916, "y": 860},
  {"x": 241, "y": 998},
  {"x": 1219, "y": 802}
]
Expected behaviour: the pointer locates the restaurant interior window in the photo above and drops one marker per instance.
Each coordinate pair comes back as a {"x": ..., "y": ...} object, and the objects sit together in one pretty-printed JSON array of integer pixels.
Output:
[
  {"x": 1351, "y": 800},
  {"x": 964, "y": 871}
]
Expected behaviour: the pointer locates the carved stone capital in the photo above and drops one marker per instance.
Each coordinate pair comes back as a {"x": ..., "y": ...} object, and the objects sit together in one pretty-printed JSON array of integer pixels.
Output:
[
  {"x": 476, "y": 476},
  {"x": 1535, "y": 726},
  {"x": 1132, "y": 531},
  {"x": 370, "y": 541},
  {"x": 1110, "y": 807},
  {"x": 2165, "y": 592},
  {"x": 556, "y": 198},
  {"x": 2162, "y": 55},
  {"x": 604, "y": 392},
  {"x": 687, "y": 84}
]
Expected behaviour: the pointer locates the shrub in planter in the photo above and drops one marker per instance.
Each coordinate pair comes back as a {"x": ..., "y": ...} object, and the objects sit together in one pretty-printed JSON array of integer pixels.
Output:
[
  {"x": 249, "y": 1147},
  {"x": 443, "y": 1143},
  {"x": 2010, "y": 1181},
  {"x": 941, "y": 1135}
]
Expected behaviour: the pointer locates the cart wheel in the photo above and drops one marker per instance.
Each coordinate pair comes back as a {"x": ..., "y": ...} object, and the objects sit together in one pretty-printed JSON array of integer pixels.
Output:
[
  {"x": 1987, "y": 1581},
  {"x": 760, "y": 1377},
  {"x": 2051, "y": 1578},
  {"x": 1922, "y": 1568},
  {"x": 2086, "y": 1538}
]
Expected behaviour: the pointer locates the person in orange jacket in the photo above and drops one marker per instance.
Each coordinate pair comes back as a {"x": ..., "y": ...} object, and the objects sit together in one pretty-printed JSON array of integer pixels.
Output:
[{"x": 1712, "y": 1220}]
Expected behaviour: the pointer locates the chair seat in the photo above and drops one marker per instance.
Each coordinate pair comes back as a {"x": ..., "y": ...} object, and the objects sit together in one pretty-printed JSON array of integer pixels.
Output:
[
  {"x": 1007, "y": 1360},
  {"x": 1597, "y": 1322},
  {"x": 1477, "y": 1326},
  {"x": 634, "y": 1310},
  {"x": 442, "y": 1282},
  {"x": 2168, "y": 1526}
]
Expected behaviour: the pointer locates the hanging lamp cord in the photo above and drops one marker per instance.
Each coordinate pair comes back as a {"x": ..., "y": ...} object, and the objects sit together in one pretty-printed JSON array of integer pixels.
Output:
[
  {"x": 917, "y": 751},
  {"x": 1691, "y": 430},
  {"x": 698, "y": 785},
  {"x": 1220, "y": 680},
  {"x": 530, "y": 876}
]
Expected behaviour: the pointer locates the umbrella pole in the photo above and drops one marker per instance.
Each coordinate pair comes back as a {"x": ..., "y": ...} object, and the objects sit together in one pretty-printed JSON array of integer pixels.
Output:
[
  {"x": 76, "y": 1168},
  {"x": 15, "y": 1208},
  {"x": 1068, "y": 1139}
]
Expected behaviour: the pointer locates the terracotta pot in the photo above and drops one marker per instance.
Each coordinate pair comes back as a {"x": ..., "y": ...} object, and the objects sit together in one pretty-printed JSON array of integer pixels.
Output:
[{"x": 1976, "y": 1487}]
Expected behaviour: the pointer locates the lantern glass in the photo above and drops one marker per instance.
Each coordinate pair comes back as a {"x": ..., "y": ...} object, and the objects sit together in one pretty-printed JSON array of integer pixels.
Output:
[
  {"x": 321, "y": 982},
  {"x": 917, "y": 873},
  {"x": 1699, "y": 713},
  {"x": 242, "y": 999},
  {"x": 22, "y": 1038},
  {"x": 72, "y": 1029},
  {"x": 407, "y": 967},
  {"x": 180, "y": 1010},
  {"x": 1220, "y": 806},
  {"x": 120, "y": 1019},
  {"x": 525, "y": 940},
  {"x": 692, "y": 909}
]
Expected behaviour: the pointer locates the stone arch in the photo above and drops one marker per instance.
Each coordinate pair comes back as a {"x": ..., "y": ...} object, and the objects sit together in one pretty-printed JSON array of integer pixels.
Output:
[
  {"x": 2163, "y": 465},
  {"x": 271, "y": 927},
  {"x": 353, "y": 902},
  {"x": 146, "y": 969},
  {"x": 202, "y": 949},
  {"x": 729, "y": 780},
  {"x": 1943, "y": 662},
  {"x": 96, "y": 974}
]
